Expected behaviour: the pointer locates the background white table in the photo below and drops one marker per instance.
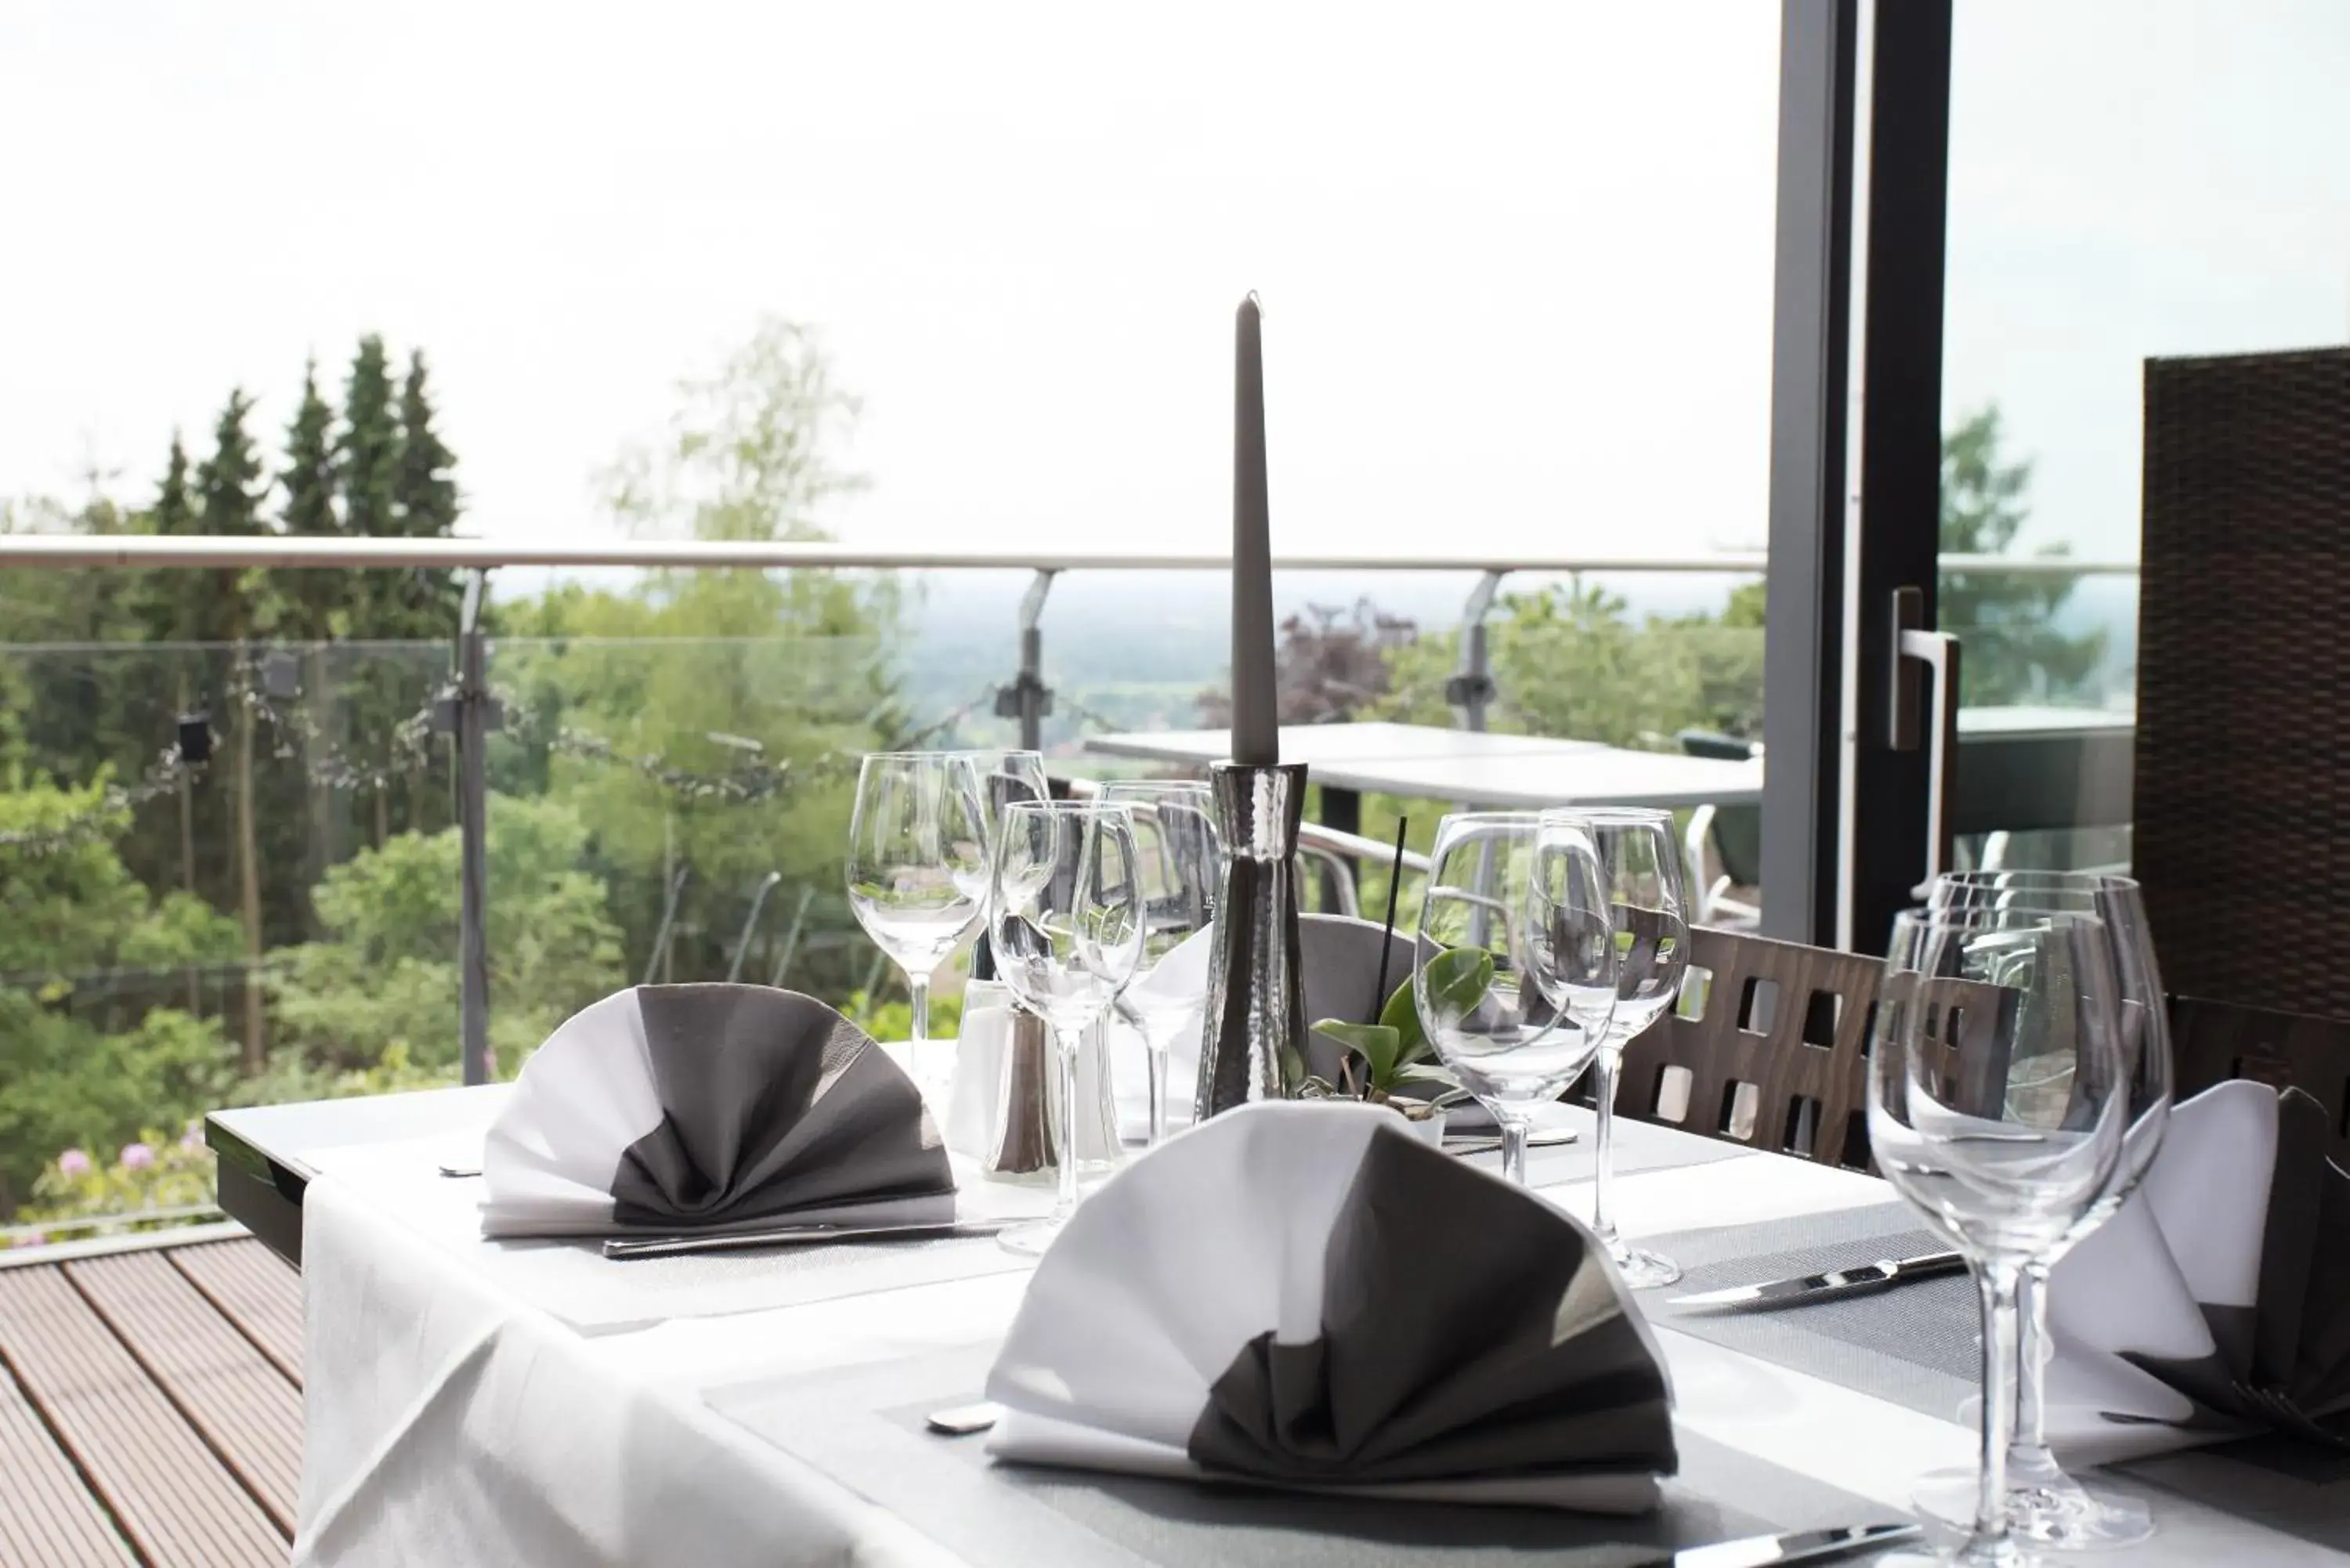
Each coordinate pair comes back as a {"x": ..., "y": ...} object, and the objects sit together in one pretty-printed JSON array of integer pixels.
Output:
[{"x": 451, "y": 1423}]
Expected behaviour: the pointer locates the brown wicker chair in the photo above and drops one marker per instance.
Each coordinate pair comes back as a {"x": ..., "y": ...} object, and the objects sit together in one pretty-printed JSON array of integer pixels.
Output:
[
  {"x": 2212, "y": 1042},
  {"x": 2242, "y": 778}
]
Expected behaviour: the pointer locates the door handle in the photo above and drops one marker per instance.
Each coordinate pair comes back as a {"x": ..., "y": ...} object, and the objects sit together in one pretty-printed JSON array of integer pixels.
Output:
[{"x": 1916, "y": 651}]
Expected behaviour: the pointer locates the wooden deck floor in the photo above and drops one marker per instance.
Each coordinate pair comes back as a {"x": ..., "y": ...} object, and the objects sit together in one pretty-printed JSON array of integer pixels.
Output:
[{"x": 150, "y": 1408}]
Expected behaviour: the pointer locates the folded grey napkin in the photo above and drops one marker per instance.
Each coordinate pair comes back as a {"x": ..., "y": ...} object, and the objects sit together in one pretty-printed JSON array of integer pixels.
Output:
[
  {"x": 1306, "y": 1295},
  {"x": 711, "y": 1107}
]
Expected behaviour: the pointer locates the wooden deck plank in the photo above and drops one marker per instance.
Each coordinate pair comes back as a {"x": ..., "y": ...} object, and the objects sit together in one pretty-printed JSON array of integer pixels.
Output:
[
  {"x": 176, "y": 1502},
  {"x": 255, "y": 1290},
  {"x": 247, "y": 1410},
  {"x": 46, "y": 1514}
]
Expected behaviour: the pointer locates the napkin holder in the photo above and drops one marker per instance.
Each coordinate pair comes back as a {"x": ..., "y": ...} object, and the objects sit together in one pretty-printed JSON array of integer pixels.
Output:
[{"x": 1253, "y": 1038}]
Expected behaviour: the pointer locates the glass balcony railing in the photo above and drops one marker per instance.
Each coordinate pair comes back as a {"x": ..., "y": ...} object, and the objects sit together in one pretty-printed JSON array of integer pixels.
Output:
[{"x": 229, "y": 870}]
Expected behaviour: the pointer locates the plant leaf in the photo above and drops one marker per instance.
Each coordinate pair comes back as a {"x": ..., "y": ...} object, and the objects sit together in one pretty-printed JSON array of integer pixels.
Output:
[
  {"x": 1375, "y": 1044},
  {"x": 1458, "y": 979},
  {"x": 1404, "y": 1075}
]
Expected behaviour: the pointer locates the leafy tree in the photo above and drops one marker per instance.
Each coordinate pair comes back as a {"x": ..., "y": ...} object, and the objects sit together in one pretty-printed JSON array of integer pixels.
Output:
[
  {"x": 749, "y": 453},
  {"x": 1333, "y": 663},
  {"x": 384, "y": 980},
  {"x": 69, "y": 1084},
  {"x": 2006, "y": 623}
]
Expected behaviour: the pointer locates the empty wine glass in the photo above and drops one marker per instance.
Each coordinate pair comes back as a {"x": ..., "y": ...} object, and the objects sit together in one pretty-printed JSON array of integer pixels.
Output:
[
  {"x": 1183, "y": 861},
  {"x": 1066, "y": 920},
  {"x": 1997, "y": 1099},
  {"x": 1640, "y": 864},
  {"x": 2043, "y": 1503},
  {"x": 917, "y": 871},
  {"x": 1486, "y": 1011},
  {"x": 998, "y": 777}
]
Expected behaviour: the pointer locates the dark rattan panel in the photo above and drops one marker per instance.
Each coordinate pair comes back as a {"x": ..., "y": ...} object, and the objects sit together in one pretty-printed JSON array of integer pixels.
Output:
[{"x": 2243, "y": 787}]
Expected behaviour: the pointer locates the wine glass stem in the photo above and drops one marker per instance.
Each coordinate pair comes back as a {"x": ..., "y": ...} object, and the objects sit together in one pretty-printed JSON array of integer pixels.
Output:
[
  {"x": 1997, "y": 1284},
  {"x": 1603, "y": 1142},
  {"x": 2028, "y": 1457},
  {"x": 1514, "y": 1151},
  {"x": 1157, "y": 1054},
  {"x": 918, "y": 991},
  {"x": 1065, "y": 1116}
]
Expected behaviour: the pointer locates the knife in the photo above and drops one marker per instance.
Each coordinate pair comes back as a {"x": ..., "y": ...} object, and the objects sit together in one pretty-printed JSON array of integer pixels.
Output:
[
  {"x": 1795, "y": 1546},
  {"x": 1874, "y": 1276},
  {"x": 796, "y": 1235}
]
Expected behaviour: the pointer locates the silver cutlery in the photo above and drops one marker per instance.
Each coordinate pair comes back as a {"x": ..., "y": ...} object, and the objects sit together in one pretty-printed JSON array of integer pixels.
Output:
[
  {"x": 1795, "y": 1546},
  {"x": 795, "y": 1236},
  {"x": 963, "y": 1421},
  {"x": 460, "y": 1172},
  {"x": 1880, "y": 1275}
]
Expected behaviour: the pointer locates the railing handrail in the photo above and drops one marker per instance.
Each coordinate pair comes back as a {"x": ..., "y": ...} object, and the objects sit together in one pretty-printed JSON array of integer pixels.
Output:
[{"x": 198, "y": 551}]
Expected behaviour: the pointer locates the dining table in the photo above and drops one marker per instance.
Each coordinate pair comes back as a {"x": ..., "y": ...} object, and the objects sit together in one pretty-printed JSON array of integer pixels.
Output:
[{"x": 502, "y": 1402}]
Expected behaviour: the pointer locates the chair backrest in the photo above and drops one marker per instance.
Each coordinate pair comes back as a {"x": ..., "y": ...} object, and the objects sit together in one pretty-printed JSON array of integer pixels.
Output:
[
  {"x": 1769, "y": 1045},
  {"x": 2212, "y": 1042},
  {"x": 2242, "y": 826}
]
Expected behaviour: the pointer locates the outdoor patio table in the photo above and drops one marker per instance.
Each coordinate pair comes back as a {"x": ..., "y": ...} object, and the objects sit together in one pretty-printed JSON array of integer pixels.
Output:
[{"x": 472, "y": 1403}]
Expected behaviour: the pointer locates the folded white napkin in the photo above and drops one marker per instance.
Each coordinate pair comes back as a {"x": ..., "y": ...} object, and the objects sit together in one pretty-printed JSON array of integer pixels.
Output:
[
  {"x": 2227, "y": 1269},
  {"x": 1305, "y": 1295},
  {"x": 690, "y": 1107}
]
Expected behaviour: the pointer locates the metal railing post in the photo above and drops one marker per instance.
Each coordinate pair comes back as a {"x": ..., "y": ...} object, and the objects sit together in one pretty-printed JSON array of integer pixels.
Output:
[
  {"x": 1028, "y": 699},
  {"x": 1471, "y": 691}
]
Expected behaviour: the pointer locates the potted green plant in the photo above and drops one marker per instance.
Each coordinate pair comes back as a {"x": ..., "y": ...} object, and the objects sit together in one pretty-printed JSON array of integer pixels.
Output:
[{"x": 1385, "y": 1058}]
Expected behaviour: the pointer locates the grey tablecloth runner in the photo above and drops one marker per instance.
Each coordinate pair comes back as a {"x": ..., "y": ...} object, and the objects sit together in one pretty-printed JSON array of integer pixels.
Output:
[
  {"x": 1918, "y": 1346},
  {"x": 864, "y": 1428}
]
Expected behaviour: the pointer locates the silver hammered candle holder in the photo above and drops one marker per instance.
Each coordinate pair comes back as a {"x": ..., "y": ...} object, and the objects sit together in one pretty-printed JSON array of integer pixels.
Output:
[{"x": 1252, "y": 1039}]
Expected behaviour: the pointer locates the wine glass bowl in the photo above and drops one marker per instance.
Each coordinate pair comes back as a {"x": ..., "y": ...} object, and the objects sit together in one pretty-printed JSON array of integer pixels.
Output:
[
  {"x": 1067, "y": 921},
  {"x": 916, "y": 870},
  {"x": 1181, "y": 861},
  {"x": 1486, "y": 1014}
]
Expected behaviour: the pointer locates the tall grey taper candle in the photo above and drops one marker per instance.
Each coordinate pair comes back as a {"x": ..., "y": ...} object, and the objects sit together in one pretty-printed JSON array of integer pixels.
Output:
[{"x": 1256, "y": 722}]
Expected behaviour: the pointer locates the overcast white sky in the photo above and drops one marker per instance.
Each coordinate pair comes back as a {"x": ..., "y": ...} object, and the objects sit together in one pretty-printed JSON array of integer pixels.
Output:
[{"x": 1515, "y": 259}]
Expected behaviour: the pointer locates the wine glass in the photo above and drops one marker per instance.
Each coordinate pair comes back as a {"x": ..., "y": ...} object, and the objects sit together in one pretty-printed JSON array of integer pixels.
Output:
[
  {"x": 1477, "y": 985},
  {"x": 1998, "y": 1095},
  {"x": 2043, "y": 1503},
  {"x": 917, "y": 870},
  {"x": 998, "y": 777},
  {"x": 1175, "y": 830},
  {"x": 1066, "y": 919},
  {"x": 1639, "y": 861}
]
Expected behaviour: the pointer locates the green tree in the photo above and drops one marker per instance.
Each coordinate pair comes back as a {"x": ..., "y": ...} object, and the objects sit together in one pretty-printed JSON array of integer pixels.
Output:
[
  {"x": 750, "y": 452},
  {"x": 228, "y": 495},
  {"x": 2006, "y": 623},
  {"x": 383, "y": 981},
  {"x": 309, "y": 476},
  {"x": 424, "y": 496},
  {"x": 367, "y": 457}
]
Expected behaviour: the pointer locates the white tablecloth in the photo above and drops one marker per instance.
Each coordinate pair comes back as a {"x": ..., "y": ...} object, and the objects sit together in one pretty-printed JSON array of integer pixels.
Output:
[{"x": 452, "y": 1423}]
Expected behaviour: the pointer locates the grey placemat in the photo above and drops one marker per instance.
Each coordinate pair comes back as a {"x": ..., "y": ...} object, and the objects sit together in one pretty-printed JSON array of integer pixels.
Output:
[
  {"x": 1914, "y": 1345},
  {"x": 573, "y": 1280},
  {"x": 864, "y": 1428},
  {"x": 1918, "y": 1346}
]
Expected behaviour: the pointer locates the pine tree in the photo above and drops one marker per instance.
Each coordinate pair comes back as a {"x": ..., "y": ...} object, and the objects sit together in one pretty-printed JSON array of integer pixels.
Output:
[
  {"x": 366, "y": 459},
  {"x": 174, "y": 512},
  {"x": 424, "y": 496},
  {"x": 309, "y": 475},
  {"x": 228, "y": 492}
]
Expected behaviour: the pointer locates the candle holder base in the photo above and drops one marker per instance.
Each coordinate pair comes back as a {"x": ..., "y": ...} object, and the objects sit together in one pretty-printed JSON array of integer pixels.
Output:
[{"x": 1253, "y": 1038}]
